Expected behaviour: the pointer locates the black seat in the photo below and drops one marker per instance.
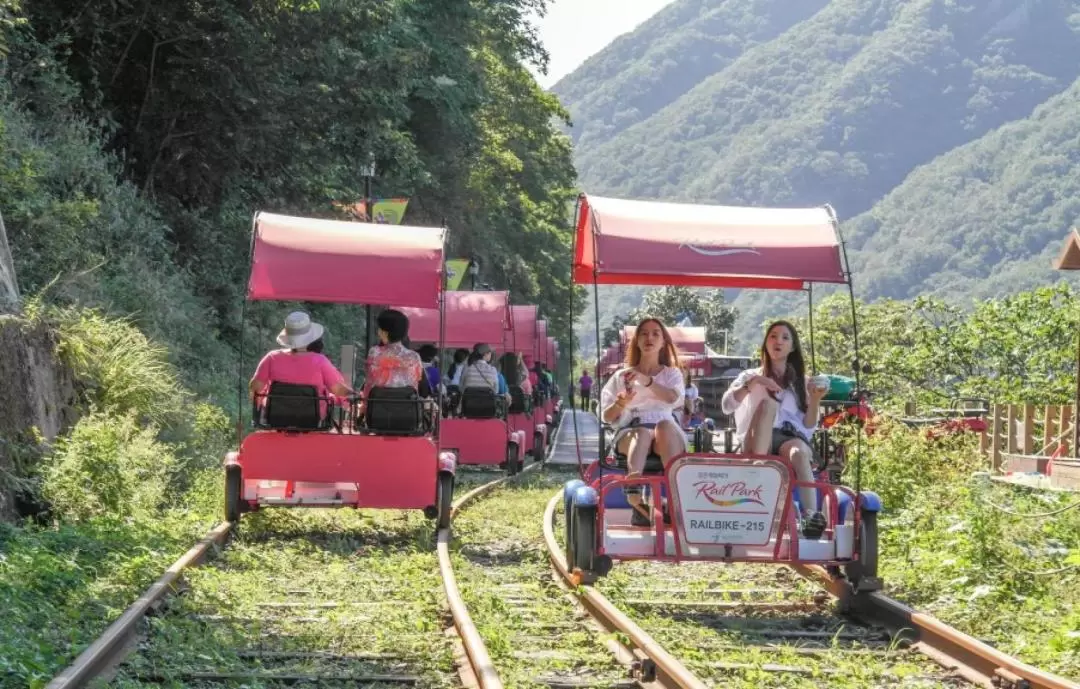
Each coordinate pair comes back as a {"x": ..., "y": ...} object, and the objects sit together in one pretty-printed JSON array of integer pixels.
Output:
[
  {"x": 519, "y": 402},
  {"x": 478, "y": 403},
  {"x": 396, "y": 411},
  {"x": 293, "y": 407}
]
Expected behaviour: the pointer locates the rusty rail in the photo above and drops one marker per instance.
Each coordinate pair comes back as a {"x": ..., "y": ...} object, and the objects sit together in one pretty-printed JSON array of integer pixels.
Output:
[
  {"x": 111, "y": 646},
  {"x": 669, "y": 672},
  {"x": 970, "y": 658},
  {"x": 483, "y": 669}
]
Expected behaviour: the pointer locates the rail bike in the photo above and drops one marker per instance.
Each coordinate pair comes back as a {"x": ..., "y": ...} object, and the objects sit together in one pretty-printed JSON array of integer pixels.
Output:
[
  {"x": 312, "y": 450},
  {"x": 713, "y": 506},
  {"x": 476, "y": 426}
]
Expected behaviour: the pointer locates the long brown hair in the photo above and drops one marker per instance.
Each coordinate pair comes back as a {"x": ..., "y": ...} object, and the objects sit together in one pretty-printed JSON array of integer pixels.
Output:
[
  {"x": 795, "y": 375},
  {"x": 669, "y": 356}
]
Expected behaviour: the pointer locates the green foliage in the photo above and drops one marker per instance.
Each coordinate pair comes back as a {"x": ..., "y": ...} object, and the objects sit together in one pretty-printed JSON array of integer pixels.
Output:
[
  {"x": 60, "y": 587},
  {"x": 705, "y": 308},
  {"x": 1019, "y": 348},
  {"x": 108, "y": 466},
  {"x": 949, "y": 549},
  {"x": 121, "y": 370},
  {"x": 434, "y": 91}
]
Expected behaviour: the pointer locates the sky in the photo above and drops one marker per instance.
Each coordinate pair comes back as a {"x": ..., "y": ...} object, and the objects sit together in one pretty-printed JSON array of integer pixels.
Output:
[{"x": 573, "y": 30}]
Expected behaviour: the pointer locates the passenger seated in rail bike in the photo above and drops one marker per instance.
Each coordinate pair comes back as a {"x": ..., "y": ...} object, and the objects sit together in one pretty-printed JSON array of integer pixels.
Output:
[
  {"x": 643, "y": 397},
  {"x": 515, "y": 373},
  {"x": 479, "y": 373},
  {"x": 300, "y": 363},
  {"x": 428, "y": 354},
  {"x": 776, "y": 411},
  {"x": 391, "y": 365}
]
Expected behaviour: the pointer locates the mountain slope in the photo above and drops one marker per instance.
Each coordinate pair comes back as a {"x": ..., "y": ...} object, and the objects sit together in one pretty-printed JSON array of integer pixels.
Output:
[
  {"x": 665, "y": 57},
  {"x": 982, "y": 219},
  {"x": 867, "y": 96},
  {"x": 842, "y": 106}
]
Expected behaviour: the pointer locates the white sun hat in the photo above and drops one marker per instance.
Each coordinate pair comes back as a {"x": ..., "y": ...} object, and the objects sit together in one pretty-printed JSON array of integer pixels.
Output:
[{"x": 300, "y": 331}]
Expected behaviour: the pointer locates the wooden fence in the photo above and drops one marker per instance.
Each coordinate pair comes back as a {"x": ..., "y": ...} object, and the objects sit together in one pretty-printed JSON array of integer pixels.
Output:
[{"x": 1030, "y": 438}]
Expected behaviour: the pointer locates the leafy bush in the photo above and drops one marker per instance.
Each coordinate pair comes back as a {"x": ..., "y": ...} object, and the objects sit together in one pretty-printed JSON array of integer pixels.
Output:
[
  {"x": 109, "y": 465},
  {"x": 121, "y": 369}
]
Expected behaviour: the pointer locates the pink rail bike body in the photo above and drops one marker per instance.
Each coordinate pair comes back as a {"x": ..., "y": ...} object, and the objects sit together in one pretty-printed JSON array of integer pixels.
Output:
[
  {"x": 728, "y": 508},
  {"x": 479, "y": 441},
  {"x": 313, "y": 469}
]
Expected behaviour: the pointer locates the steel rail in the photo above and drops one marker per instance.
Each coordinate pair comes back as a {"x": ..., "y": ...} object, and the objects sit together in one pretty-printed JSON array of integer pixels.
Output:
[
  {"x": 483, "y": 668},
  {"x": 975, "y": 661},
  {"x": 669, "y": 671},
  {"x": 111, "y": 645}
]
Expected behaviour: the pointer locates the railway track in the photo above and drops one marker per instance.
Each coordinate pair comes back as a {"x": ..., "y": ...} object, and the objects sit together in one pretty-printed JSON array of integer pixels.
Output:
[
  {"x": 272, "y": 609},
  {"x": 696, "y": 625},
  {"x": 645, "y": 625}
]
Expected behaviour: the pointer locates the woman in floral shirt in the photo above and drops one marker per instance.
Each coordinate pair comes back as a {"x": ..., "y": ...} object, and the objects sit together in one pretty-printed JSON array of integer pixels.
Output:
[{"x": 390, "y": 364}]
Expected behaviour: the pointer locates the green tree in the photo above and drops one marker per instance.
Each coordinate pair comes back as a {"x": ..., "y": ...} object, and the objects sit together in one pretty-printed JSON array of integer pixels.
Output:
[
  {"x": 1020, "y": 348},
  {"x": 705, "y": 308}
]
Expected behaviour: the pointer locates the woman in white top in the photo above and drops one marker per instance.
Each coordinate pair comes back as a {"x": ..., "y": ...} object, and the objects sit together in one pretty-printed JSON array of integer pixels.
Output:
[
  {"x": 649, "y": 388},
  {"x": 776, "y": 412}
]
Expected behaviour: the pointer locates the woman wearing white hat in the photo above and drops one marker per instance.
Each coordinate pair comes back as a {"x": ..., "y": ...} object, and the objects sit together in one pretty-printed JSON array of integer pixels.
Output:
[{"x": 301, "y": 362}]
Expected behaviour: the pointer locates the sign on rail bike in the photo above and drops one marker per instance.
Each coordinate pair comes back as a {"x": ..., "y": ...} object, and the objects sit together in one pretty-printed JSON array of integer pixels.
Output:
[{"x": 722, "y": 502}]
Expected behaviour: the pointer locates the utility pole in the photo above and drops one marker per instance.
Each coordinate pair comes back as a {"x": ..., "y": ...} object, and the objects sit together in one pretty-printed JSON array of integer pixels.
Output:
[
  {"x": 9, "y": 286},
  {"x": 368, "y": 171}
]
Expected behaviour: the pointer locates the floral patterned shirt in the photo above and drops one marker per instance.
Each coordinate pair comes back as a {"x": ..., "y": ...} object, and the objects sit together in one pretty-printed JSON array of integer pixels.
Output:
[{"x": 393, "y": 366}]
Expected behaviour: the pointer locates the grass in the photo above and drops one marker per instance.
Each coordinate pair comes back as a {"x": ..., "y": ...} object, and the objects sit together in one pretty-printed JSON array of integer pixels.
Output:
[
  {"x": 361, "y": 585},
  {"x": 365, "y": 586},
  {"x": 527, "y": 621},
  {"x": 61, "y": 586}
]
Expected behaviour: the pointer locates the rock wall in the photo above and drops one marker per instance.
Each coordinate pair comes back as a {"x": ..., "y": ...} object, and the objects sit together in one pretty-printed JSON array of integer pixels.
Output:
[{"x": 36, "y": 391}]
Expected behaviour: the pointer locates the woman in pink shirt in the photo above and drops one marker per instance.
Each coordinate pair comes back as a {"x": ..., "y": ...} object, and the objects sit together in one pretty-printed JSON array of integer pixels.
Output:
[{"x": 301, "y": 362}]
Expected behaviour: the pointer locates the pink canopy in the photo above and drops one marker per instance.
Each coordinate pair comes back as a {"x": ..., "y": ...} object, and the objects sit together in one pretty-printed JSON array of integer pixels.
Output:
[
  {"x": 471, "y": 317},
  {"x": 652, "y": 243},
  {"x": 685, "y": 339},
  {"x": 525, "y": 328},
  {"x": 308, "y": 259}
]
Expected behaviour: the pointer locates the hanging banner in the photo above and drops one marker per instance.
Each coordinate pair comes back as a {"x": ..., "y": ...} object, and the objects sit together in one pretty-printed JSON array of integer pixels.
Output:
[
  {"x": 389, "y": 211},
  {"x": 456, "y": 268},
  {"x": 386, "y": 211}
]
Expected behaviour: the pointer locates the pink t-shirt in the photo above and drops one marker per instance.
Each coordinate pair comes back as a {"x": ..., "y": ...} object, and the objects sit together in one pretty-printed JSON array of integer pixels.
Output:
[{"x": 301, "y": 368}]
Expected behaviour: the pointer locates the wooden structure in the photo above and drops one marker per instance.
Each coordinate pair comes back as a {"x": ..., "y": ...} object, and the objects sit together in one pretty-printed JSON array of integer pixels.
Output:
[
  {"x": 1034, "y": 439},
  {"x": 1069, "y": 259}
]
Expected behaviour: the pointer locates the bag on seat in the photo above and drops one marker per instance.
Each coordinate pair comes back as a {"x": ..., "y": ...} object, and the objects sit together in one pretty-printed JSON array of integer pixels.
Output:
[
  {"x": 478, "y": 403},
  {"x": 394, "y": 410},
  {"x": 290, "y": 406}
]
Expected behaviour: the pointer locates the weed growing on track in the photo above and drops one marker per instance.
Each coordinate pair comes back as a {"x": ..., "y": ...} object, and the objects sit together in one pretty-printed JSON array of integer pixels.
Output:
[
  {"x": 947, "y": 550},
  {"x": 526, "y": 620},
  {"x": 350, "y": 583},
  {"x": 60, "y": 588}
]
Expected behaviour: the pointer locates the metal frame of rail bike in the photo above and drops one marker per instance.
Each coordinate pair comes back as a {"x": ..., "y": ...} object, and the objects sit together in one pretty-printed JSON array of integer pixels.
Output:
[
  {"x": 308, "y": 450},
  {"x": 732, "y": 507}
]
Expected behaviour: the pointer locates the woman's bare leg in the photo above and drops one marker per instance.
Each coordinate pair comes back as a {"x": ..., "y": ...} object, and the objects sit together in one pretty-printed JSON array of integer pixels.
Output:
[
  {"x": 670, "y": 441},
  {"x": 635, "y": 446},
  {"x": 640, "y": 441},
  {"x": 798, "y": 452},
  {"x": 759, "y": 435}
]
